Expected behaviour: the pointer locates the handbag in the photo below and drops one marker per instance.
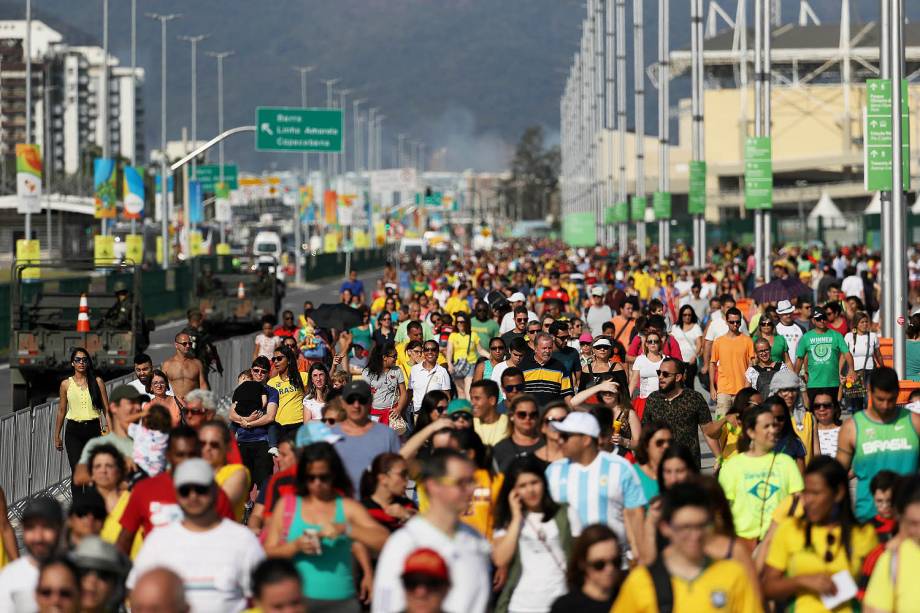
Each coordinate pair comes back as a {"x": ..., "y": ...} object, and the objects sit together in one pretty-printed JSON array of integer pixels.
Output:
[
  {"x": 462, "y": 367},
  {"x": 857, "y": 387}
]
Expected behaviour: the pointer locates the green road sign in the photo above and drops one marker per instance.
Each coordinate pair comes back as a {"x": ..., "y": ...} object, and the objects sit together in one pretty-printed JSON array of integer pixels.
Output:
[
  {"x": 696, "y": 199},
  {"x": 661, "y": 203},
  {"x": 209, "y": 176},
  {"x": 579, "y": 230},
  {"x": 877, "y": 150},
  {"x": 637, "y": 207},
  {"x": 758, "y": 172},
  {"x": 295, "y": 129},
  {"x": 435, "y": 199}
]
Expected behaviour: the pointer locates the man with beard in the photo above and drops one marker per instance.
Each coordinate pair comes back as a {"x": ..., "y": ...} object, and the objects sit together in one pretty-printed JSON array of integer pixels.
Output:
[
  {"x": 143, "y": 370},
  {"x": 42, "y": 523}
]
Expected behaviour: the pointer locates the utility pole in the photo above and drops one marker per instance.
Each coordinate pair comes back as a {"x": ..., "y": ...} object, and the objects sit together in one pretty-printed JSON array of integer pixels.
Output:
[
  {"x": 371, "y": 133},
  {"x": 164, "y": 161},
  {"x": 639, "y": 87},
  {"x": 27, "y": 52},
  {"x": 104, "y": 113},
  {"x": 327, "y": 159},
  {"x": 355, "y": 104},
  {"x": 898, "y": 216},
  {"x": 298, "y": 219},
  {"x": 762, "y": 15},
  {"x": 194, "y": 40},
  {"x": 697, "y": 143},
  {"x": 664, "y": 130},
  {"x": 343, "y": 93},
  {"x": 220, "y": 120},
  {"x": 622, "y": 197}
]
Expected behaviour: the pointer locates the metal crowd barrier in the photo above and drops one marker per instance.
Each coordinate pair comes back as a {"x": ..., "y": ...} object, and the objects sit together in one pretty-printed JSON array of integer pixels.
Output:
[{"x": 29, "y": 462}]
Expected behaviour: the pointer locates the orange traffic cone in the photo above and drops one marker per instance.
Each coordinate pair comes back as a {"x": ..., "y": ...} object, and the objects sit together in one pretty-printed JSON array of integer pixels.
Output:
[
  {"x": 240, "y": 291},
  {"x": 83, "y": 315}
]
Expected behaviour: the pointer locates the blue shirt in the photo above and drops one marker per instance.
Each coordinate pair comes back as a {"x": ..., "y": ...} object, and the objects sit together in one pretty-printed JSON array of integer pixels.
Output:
[
  {"x": 253, "y": 435},
  {"x": 357, "y": 452},
  {"x": 356, "y": 287}
]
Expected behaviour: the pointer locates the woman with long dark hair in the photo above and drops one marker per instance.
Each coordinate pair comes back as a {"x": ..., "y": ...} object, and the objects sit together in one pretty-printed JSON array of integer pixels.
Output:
[
  {"x": 434, "y": 406},
  {"x": 532, "y": 537},
  {"x": 318, "y": 390},
  {"x": 383, "y": 491},
  {"x": 806, "y": 552},
  {"x": 689, "y": 336},
  {"x": 730, "y": 433},
  {"x": 291, "y": 386},
  {"x": 593, "y": 573},
  {"x": 758, "y": 478},
  {"x": 325, "y": 522},
  {"x": 82, "y": 402},
  {"x": 388, "y": 385},
  {"x": 654, "y": 442}
]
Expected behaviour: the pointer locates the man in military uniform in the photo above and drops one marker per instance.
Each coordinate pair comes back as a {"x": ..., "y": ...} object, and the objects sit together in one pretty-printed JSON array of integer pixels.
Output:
[
  {"x": 119, "y": 315},
  {"x": 208, "y": 284}
]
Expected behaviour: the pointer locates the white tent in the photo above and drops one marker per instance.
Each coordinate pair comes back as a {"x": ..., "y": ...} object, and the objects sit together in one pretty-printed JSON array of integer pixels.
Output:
[
  {"x": 875, "y": 205},
  {"x": 915, "y": 209},
  {"x": 828, "y": 212}
]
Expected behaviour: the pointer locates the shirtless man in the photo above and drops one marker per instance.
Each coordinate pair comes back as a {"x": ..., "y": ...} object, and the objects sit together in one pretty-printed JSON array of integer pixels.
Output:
[{"x": 184, "y": 371}]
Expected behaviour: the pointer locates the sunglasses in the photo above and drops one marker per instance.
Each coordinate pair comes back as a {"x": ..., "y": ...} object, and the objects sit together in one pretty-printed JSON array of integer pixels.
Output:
[
  {"x": 497, "y": 347},
  {"x": 185, "y": 344},
  {"x": 521, "y": 319},
  {"x": 822, "y": 405},
  {"x": 257, "y": 371},
  {"x": 414, "y": 582},
  {"x": 653, "y": 340},
  {"x": 278, "y": 358},
  {"x": 430, "y": 349},
  {"x": 600, "y": 565},
  {"x": 663, "y": 442},
  {"x": 186, "y": 490},
  {"x": 211, "y": 444},
  {"x": 80, "y": 360},
  {"x": 526, "y": 414},
  {"x": 329, "y": 421},
  {"x": 322, "y": 478},
  {"x": 461, "y": 415},
  {"x": 734, "y": 322},
  {"x": 353, "y": 398},
  {"x": 663, "y": 374},
  {"x": 48, "y": 592},
  {"x": 766, "y": 324},
  {"x": 514, "y": 387}
]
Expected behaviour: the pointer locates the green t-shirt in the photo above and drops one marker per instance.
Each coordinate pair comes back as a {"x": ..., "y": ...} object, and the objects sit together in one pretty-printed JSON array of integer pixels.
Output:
[
  {"x": 778, "y": 349},
  {"x": 824, "y": 350},
  {"x": 755, "y": 486},
  {"x": 486, "y": 331}
]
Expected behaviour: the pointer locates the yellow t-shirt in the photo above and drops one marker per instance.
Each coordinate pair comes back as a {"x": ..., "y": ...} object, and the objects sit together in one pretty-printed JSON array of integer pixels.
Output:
[
  {"x": 783, "y": 510},
  {"x": 723, "y": 586},
  {"x": 456, "y": 304},
  {"x": 901, "y": 592},
  {"x": 492, "y": 433},
  {"x": 806, "y": 434},
  {"x": 112, "y": 526},
  {"x": 754, "y": 487},
  {"x": 463, "y": 346},
  {"x": 290, "y": 400},
  {"x": 789, "y": 554},
  {"x": 728, "y": 442},
  {"x": 480, "y": 514},
  {"x": 224, "y": 473}
]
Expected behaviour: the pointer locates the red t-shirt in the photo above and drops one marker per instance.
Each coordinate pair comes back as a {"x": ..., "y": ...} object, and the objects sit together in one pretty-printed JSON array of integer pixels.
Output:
[
  {"x": 671, "y": 348},
  {"x": 555, "y": 294},
  {"x": 282, "y": 483},
  {"x": 840, "y": 326},
  {"x": 281, "y": 331},
  {"x": 233, "y": 454},
  {"x": 153, "y": 504}
]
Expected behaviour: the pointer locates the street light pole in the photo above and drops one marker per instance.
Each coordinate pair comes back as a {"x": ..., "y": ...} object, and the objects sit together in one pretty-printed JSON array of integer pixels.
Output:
[
  {"x": 194, "y": 40},
  {"x": 355, "y": 104},
  {"x": 164, "y": 161},
  {"x": 639, "y": 110},
  {"x": 664, "y": 167},
  {"x": 220, "y": 55},
  {"x": 698, "y": 153},
  {"x": 327, "y": 159},
  {"x": 104, "y": 95},
  {"x": 898, "y": 216},
  {"x": 27, "y": 52},
  {"x": 344, "y": 155},
  {"x": 298, "y": 220},
  {"x": 371, "y": 119}
]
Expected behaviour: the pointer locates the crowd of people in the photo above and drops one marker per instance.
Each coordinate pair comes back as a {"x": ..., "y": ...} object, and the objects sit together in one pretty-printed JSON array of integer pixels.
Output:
[{"x": 532, "y": 430}]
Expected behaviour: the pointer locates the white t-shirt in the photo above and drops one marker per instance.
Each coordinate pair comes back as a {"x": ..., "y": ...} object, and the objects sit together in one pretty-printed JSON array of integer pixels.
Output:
[
  {"x": 422, "y": 381},
  {"x": 863, "y": 348},
  {"x": 215, "y": 565},
  {"x": 648, "y": 375},
  {"x": 543, "y": 564},
  {"x": 793, "y": 334},
  {"x": 852, "y": 286},
  {"x": 314, "y": 407},
  {"x": 686, "y": 340},
  {"x": 267, "y": 344},
  {"x": 467, "y": 557},
  {"x": 596, "y": 317},
  {"x": 17, "y": 585},
  {"x": 598, "y": 492},
  {"x": 508, "y": 321}
]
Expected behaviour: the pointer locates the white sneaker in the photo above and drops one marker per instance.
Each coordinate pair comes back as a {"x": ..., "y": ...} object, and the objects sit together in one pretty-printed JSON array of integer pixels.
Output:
[{"x": 273, "y": 451}]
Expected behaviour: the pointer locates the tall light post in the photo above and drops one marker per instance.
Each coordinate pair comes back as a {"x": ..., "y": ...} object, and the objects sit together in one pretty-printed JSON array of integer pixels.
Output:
[
  {"x": 133, "y": 155},
  {"x": 378, "y": 140},
  {"x": 355, "y": 104},
  {"x": 219, "y": 56},
  {"x": 898, "y": 216},
  {"x": 639, "y": 89},
  {"x": 343, "y": 93},
  {"x": 104, "y": 112},
  {"x": 27, "y": 52},
  {"x": 298, "y": 220},
  {"x": 400, "y": 139},
  {"x": 327, "y": 159},
  {"x": 194, "y": 40},
  {"x": 164, "y": 162},
  {"x": 664, "y": 167},
  {"x": 371, "y": 120},
  {"x": 698, "y": 148}
]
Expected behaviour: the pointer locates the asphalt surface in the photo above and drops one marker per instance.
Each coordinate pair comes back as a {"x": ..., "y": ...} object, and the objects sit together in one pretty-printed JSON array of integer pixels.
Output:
[{"x": 161, "y": 340}]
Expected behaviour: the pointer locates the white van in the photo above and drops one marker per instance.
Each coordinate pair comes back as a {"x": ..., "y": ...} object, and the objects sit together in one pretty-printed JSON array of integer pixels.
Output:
[{"x": 268, "y": 244}]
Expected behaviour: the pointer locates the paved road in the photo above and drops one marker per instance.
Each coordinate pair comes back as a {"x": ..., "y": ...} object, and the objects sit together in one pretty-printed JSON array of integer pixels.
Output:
[{"x": 161, "y": 340}]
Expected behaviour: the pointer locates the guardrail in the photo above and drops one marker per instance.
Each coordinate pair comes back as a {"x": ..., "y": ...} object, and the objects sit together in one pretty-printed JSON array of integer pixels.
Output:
[{"x": 29, "y": 462}]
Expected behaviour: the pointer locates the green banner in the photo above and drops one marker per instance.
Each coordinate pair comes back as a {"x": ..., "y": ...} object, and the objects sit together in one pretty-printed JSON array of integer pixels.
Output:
[
  {"x": 610, "y": 215},
  {"x": 661, "y": 203},
  {"x": 696, "y": 199},
  {"x": 637, "y": 208},
  {"x": 877, "y": 149},
  {"x": 579, "y": 230},
  {"x": 758, "y": 173},
  {"x": 622, "y": 211}
]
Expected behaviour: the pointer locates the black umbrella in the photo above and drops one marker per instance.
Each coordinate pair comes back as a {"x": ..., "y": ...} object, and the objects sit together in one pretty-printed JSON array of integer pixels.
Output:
[
  {"x": 774, "y": 291},
  {"x": 339, "y": 316}
]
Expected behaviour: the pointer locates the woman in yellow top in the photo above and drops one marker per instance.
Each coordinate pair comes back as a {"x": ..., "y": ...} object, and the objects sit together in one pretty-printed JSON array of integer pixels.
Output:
[
  {"x": 462, "y": 354},
  {"x": 9, "y": 550},
  {"x": 82, "y": 402},
  {"x": 107, "y": 470},
  {"x": 291, "y": 386},
  {"x": 730, "y": 433},
  {"x": 806, "y": 552},
  {"x": 234, "y": 479}
]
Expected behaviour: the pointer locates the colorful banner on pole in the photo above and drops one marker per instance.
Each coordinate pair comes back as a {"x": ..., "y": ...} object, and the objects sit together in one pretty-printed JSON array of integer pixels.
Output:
[
  {"x": 637, "y": 208},
  {"x": 28, "y": 179},
  {"x": 758, "y": 173},
  {"x": 195, "y": 203},
  {"x": 134, "y": 248},
  {"x": 104, "y": 250},
  {"x": 579, "y": 230},
  {"x": 134, "y": 192},
  {"x": 696, "y": 199},
  {"x": 222, "y": 211},
  {"x": 104, "y": 188},
  {"x": 330, "y": 207},
  {"x": 661, "y": 204}
]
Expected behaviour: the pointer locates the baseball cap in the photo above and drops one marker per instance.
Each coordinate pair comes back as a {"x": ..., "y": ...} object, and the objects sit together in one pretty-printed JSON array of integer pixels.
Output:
[
  {"x": 585, "y": 338},
  {"x": 358, "y": 388},
  {"x": 597, "y": 291},
  {"x": 124, "y": 392},
  {"x": 818, "y": 313},
  {"x": 578, "y": 423},
  {"x": 602, "y": 341},
  {"x": 517, "y": 297},
  {"x": 459, "y": 405},
  {"x": 92, "y": 553},
  {"x": 315, "y": 432},
  {"x": 426, "y": 562},
  {"x": 784, "y": 307},
  {"x": 193, "y": 471},
  {"x": 44, "y": 508}
]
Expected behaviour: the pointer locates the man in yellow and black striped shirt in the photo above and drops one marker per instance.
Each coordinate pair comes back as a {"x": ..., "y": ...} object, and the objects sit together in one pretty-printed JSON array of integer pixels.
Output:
[{"x": 544, "y": 376}]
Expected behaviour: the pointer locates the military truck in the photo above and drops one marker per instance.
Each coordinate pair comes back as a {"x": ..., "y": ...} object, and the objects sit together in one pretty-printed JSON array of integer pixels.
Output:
[
  {"x": 236, "y": 291},
  {"x": 44, "y": 330}
]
